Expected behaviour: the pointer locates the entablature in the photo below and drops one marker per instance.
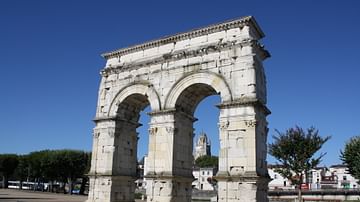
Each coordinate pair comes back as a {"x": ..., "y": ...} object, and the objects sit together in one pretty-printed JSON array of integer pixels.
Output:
[{"x": 188, "y": 53}]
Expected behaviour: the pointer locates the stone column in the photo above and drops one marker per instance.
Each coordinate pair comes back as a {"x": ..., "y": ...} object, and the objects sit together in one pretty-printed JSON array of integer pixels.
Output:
[
  {"x": 167, "y": 177},
  {"x": 242, "y": 174},
  {"x": 113, "y": 167}
]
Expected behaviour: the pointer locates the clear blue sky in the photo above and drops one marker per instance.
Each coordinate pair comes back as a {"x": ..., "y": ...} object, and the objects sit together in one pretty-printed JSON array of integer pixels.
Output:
[{"x": 50, "y": 62}]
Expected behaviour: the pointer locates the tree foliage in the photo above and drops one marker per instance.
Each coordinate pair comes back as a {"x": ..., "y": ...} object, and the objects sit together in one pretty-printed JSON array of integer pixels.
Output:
[
  {"x": 351, "y": 156},
  {"x": 8, "y": 164},
  {"x": 47, "y": 166},
  {"x": 295, "y": 149},
  {"x": 22, "y": 170},
  {"x": 207, "y": 161}
]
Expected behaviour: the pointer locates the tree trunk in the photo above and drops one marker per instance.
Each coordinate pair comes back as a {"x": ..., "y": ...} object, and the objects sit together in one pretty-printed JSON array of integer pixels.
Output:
[
  {"x": 42, "y": 185},
  {"x": 50, "y": 186},
  {"x": 35, "y": 180},
  {"x": 83, "y": 184},
  {"x": 5, "y": 182},
  {"x": 36, "y": 185},
  {"x": 63, "y": 187},
  {"x": 70, "y": 185},
  {"x": 299, "y": 193}
]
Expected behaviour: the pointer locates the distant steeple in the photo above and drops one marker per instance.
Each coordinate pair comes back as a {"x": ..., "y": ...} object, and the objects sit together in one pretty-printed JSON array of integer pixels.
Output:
[{"x": 203, "y": 146}]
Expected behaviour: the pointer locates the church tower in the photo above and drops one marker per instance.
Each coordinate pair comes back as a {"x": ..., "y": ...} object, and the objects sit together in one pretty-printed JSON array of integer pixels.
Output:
[{"x": 202, "y": 147}]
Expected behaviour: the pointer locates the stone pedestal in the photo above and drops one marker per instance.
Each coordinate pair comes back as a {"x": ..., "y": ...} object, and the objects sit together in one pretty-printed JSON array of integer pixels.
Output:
[
  {"x": 111, "y": 189},
  {"x": 168, "y": 189},
  {"x": 243, "y": 188}
]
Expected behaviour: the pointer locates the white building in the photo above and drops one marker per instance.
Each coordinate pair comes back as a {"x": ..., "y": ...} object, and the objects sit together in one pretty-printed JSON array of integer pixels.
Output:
[
  {"x": 344, "y": 179},
  {"x": 203, "y": 177},
  {"x": 277, "y": 180},
  {"x": 317, "y": 175},
  {"x": 334, "y": 177}
]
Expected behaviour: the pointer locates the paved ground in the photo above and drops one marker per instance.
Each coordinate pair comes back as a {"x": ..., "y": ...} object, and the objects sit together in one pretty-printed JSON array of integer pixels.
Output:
[{"x": 11, "y": 195}]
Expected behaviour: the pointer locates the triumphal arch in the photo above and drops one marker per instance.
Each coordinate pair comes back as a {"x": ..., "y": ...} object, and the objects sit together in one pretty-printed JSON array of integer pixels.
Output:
[{"x": 172, "y": 75}]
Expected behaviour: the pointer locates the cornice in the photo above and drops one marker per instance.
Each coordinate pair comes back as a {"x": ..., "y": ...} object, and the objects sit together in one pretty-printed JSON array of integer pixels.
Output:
[
  {"x": 238, "y": 102},
  {"x": 245, "y": 177},
  {"x": 162, "y": 112},
  {"x": 105, "y": 118},
  {"x": 168, "y": 175},
  {"x": 181, "y": 54},
  {"x": 245, "y": 102},
  {"x": 115, "y": 118},
  {"x": 172, "y": 112},
  {"x": 241, "y": 22}
]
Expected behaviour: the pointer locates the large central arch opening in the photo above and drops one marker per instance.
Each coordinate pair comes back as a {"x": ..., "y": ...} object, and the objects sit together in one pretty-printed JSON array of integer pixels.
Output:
[
  {"x": 186, "y": 105},
  {"x": 206, "y": 144}
]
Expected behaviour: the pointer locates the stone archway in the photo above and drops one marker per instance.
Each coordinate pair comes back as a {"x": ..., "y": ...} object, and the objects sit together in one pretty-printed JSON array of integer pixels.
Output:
[
  {"x": 210, "y": 79},
  {"x": 135, "y": 88},
  {"x": 114, "y": 157},
  {"x": 173, "y": 75}
]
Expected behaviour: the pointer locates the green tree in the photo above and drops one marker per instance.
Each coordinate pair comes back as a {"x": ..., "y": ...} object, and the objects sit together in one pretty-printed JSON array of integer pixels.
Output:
[
  {"x": 207, "y": 161},
  {"x": 58, "y": 165},
  {"x": 8, "y": 164},
  {"x": 295, "y": 149},
  {"x": 49, "y": 167},
  {"x": 37, "y": 170},
  {"x": 72, "y": 164},
  {"x": 85, "y": 178},
  {"x": 351, "y": 156},
  {"x": 22, "y": 171}
]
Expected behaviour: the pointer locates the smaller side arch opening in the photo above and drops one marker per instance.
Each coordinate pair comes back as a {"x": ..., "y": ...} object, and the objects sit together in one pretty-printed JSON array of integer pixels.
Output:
[
  {"x": 134, "y": 93},
  {"x": 126, "y": 141},
  {"x": 130, "y": 108}
]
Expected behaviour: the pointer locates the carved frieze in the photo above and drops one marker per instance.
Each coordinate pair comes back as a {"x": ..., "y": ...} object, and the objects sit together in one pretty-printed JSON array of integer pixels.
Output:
[{"x": 177, "y": 55}]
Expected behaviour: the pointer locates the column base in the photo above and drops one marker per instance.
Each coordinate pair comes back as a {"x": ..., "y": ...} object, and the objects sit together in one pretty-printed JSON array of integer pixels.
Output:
[
  {"x": 244, "y": 188},
  {"x": 106, "y": 188},
  {"x": 168, "y": 188}
]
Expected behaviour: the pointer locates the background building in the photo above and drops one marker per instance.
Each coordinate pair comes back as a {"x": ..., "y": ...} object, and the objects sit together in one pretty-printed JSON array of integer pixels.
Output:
[
  {"x": 203, "y": 178},
  {"x": 277, "y": 180},
  {"x": 344, "y": 179},
  {"x": 334, "y": 177},
  {"x": 202, "y": 147}
]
